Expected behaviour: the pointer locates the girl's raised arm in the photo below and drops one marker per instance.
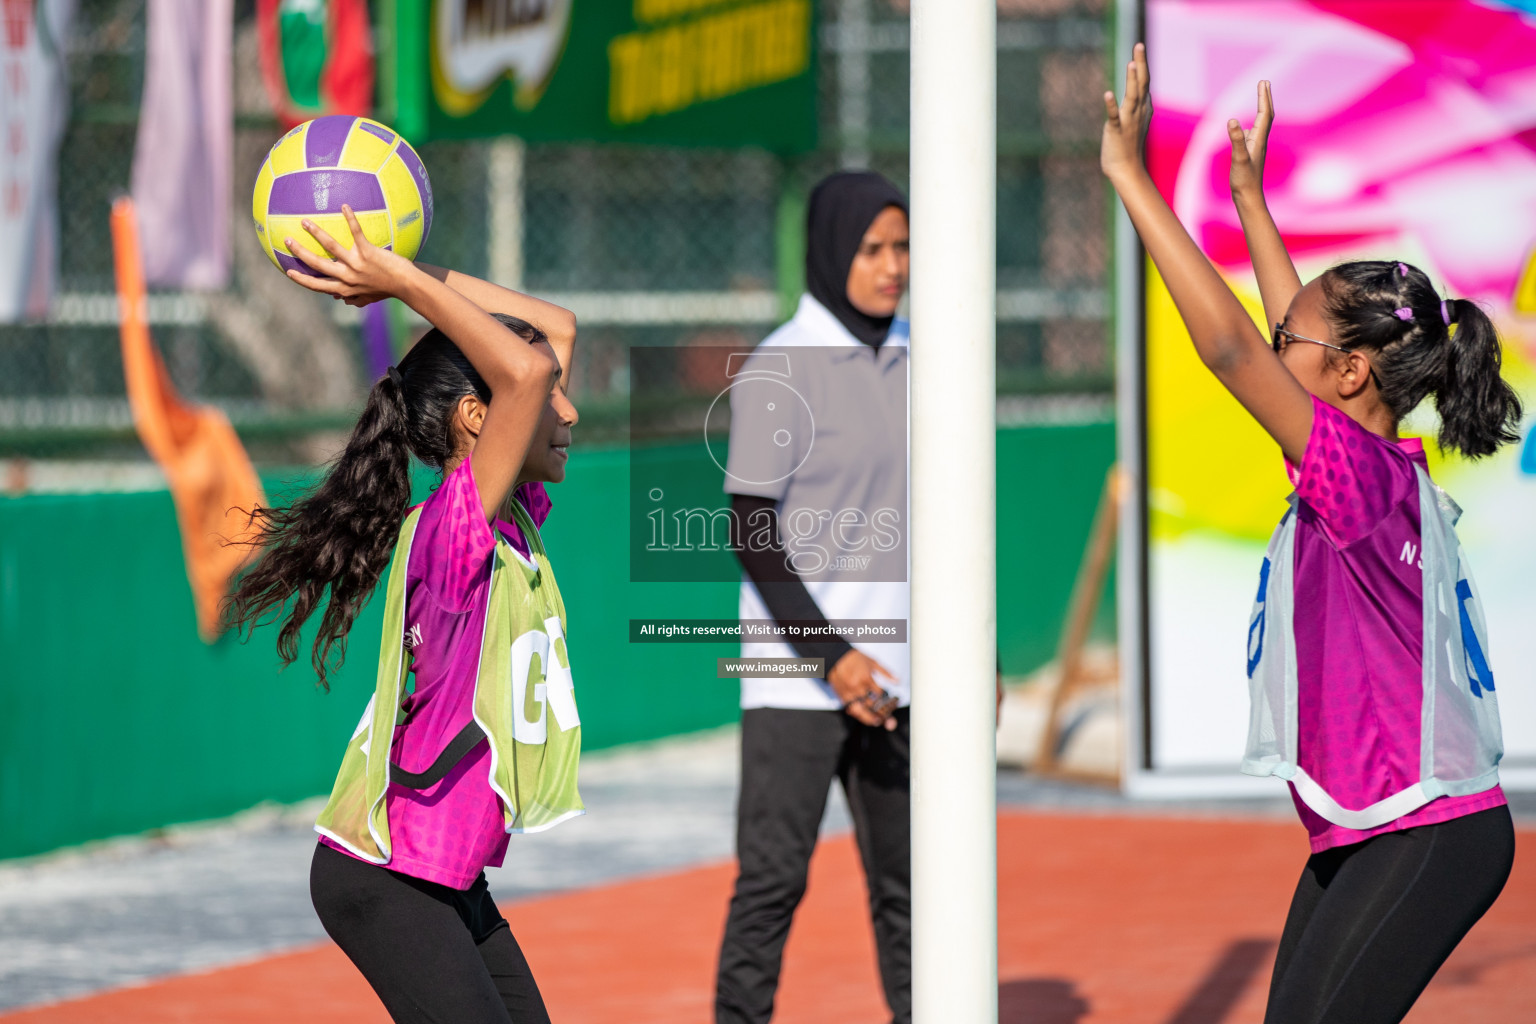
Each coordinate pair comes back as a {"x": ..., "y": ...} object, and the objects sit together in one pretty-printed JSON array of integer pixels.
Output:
[
  {"x": 1224, "y": 335},
  {"x": 519, "y": 374},
  {"x": 557, "y": 322},
  {"x": 1278, "y": 282}
]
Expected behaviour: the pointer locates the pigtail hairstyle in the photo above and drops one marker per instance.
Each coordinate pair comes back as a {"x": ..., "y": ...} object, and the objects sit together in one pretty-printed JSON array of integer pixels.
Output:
[
  {"x": 342, "y": 535},
  {"x": 1392, "y": 311}
]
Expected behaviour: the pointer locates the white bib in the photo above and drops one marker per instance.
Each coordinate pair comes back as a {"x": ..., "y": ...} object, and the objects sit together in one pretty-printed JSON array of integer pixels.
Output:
[{"x": 1460, "y": 738}]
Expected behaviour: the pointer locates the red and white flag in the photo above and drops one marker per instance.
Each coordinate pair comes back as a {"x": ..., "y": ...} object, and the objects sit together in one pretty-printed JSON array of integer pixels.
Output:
[{"x": 34, "y": 104}]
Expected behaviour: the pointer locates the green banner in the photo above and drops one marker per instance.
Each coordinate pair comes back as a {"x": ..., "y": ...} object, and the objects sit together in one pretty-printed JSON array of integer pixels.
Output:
[{"x": 669, "y": 72}]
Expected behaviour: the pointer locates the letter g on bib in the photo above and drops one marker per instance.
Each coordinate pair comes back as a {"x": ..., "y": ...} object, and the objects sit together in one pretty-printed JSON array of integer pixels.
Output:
[{"x": 541, "y": 682}]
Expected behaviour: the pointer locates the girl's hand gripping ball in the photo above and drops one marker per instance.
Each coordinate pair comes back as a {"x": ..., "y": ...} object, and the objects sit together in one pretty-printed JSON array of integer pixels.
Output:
[
  {"x": 339, "y": 159},
  {"x": 358, "y": 275}
]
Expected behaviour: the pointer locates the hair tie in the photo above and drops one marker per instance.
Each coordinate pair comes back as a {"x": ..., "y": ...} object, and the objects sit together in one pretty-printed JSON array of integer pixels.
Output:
[
  {"x": 1403, "y": 314},
  {"x": 393, "y": 373},
  {"x": 1402, "y": 270},
  {"x": 1445, "y": 311}
]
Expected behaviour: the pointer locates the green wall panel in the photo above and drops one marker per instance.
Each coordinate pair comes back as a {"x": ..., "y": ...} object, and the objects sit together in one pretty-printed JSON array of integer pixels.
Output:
[
  {"x": 1048, "y": 485},
  {"x": 117, "y": 719}
]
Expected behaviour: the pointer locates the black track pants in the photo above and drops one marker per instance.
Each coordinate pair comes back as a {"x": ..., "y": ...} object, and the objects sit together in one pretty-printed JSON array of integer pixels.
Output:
[
  {"x": 1371, "y": 922},
  {"x": 434, "y": 955},
  {"x": 788, "y": 761}
]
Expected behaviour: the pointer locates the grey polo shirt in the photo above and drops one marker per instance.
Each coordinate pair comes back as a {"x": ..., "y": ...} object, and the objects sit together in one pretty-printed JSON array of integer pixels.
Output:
[{"x": 819, "y": 424}]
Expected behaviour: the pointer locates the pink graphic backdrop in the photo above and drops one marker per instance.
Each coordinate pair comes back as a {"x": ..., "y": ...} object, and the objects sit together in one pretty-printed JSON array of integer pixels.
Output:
[
  {"x": 1397, "y": 123},
  {"x": 1404, "y": 130}
]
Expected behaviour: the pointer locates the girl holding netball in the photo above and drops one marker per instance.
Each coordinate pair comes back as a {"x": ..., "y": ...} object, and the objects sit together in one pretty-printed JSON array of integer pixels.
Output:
[
  {"x": 485, "y": 741},
  {"x": 1367, "y": 662}
]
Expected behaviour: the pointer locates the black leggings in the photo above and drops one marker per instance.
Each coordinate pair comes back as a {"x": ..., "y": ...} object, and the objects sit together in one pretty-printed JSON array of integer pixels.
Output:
[
  {"x": 1371, "y": 922},
  {"x": 788, "y": 761},
  {"x": 434, "y": 955}
]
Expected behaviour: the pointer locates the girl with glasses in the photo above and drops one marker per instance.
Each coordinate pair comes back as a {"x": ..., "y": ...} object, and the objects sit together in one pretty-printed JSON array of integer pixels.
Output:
[{"x": 1367, "y": 656}]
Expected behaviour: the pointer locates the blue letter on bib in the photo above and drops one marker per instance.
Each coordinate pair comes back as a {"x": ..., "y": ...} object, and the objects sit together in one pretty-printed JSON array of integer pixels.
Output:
[
  {"x": 1256, "y": 626},
  {"x": 1477, "y": 665}
]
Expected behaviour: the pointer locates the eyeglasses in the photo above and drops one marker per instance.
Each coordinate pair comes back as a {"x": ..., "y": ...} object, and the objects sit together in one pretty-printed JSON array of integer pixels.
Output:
[
  {"x": 1290, "y": 336},
  {"x": 1279, "y": 346}
]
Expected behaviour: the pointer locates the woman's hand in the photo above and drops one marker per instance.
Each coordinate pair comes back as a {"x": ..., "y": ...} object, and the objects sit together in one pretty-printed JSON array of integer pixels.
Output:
[
  {"x": 1248, "y": 148},
  {"x": 1125, "y": 124},
  {"x": 853, "y": 680},
  {"x": 359, "y": 275}
]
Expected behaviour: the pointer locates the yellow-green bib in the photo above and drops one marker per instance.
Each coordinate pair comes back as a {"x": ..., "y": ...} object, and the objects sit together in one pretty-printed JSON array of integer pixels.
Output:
[{"x": 524, "y": 701}]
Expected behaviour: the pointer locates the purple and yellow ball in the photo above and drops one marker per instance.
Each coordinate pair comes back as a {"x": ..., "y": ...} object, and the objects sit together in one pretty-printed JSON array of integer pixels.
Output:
[{"x": 337, "y": 159}]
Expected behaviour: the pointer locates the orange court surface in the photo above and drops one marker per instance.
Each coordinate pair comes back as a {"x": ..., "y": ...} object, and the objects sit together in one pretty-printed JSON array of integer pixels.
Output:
[{"x": 1131, "y": 919}]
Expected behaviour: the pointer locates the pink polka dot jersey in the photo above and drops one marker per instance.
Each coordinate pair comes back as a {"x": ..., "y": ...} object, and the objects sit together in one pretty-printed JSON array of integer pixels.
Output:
[
  {"x": 1358, "y": 622},
  {"x": 451, "y": 831}
]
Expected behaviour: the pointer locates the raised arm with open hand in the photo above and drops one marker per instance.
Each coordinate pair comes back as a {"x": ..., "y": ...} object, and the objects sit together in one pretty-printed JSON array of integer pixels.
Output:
[
  {"x": 1223, "y": 333},
  {"x": 1272, "y": 266}
]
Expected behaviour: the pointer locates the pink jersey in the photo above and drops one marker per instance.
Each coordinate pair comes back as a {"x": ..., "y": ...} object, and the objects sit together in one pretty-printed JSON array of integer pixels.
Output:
[
  {"x": 449, "y": 832},
  {"x": 1359, "y": 626}
]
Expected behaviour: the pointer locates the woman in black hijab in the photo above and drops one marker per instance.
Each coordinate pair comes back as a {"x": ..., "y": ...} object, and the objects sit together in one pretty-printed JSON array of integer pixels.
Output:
[
  {"x": 842, "y": 209},
  {"x": 798, "y": 735}
]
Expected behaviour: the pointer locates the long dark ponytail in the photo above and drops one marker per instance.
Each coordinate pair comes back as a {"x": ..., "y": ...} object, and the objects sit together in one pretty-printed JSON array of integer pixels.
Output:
[
  {"x": 342, "y": 535},
  {"x": 1392, "y": 310}
]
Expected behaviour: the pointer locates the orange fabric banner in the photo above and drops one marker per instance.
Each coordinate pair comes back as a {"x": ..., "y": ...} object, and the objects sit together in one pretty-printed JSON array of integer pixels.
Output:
[{"x": 210, "y": 474}]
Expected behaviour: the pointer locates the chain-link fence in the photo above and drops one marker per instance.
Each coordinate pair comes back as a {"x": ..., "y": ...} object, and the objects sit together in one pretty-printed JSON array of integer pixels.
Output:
[{"x": 648, "y": 245}]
